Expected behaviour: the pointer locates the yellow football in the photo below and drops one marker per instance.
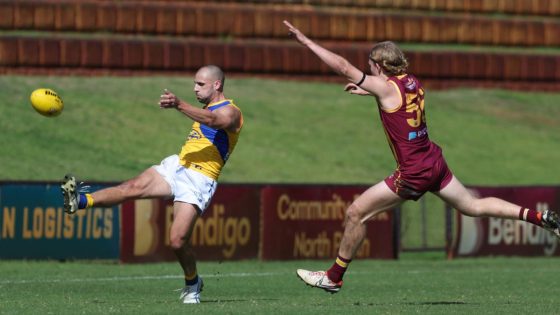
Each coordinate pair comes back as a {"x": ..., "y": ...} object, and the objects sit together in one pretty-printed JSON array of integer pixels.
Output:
[{"x": 46, "y": 102}]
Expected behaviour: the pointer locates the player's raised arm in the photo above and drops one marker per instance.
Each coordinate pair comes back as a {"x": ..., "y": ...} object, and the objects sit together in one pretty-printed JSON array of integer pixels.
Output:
[
  {"x": 339, "y": 64},
  {"x": 363, "y": 84}
]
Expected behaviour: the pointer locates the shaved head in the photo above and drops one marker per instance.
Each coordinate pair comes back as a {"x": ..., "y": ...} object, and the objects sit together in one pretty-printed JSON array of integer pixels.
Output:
[
  {"x": 209, "y": 84},
  {"x": 213, "y": 73}
]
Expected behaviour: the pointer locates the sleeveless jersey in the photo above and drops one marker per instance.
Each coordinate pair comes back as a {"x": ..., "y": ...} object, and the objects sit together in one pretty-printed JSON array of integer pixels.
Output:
[
  {"x": 406, "y": 129},
  {"x": 206, "y": 149}
]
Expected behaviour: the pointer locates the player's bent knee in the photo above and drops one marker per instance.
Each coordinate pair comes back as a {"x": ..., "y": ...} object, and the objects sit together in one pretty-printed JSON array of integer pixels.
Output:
[
  {"x": 132, "y": 189},
  {"x": 176, "y": 243},
  {"x": 353, "y": 214}
]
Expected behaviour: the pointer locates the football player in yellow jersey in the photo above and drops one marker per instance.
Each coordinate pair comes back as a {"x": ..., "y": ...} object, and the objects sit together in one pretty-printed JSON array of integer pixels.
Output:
[{"x": 190, "y": 178}]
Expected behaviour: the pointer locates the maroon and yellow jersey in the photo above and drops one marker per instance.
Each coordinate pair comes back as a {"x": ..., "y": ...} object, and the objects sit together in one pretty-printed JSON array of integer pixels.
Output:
[{"x": 406, "y": 129}]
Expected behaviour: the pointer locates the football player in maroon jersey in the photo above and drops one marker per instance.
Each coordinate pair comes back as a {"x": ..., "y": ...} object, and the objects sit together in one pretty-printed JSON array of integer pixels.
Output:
[{"x": 421, "y": 166}]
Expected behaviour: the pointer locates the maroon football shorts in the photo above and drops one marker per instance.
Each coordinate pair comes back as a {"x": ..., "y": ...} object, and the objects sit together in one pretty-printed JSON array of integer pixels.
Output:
[{"x": 412, "y": 187}]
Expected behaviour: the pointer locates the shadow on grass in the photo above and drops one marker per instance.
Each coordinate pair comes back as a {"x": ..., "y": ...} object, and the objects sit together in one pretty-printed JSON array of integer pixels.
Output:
[
  {"x": 437, "y": 303},
  {"x": 235, "y": 300},
  {"x": 418, "y": 303}
]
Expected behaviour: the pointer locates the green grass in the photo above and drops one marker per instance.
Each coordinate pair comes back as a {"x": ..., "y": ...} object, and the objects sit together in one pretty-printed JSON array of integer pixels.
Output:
[
  {"x": 414, "y": 284},
  {"x": 112, "y": 128}
]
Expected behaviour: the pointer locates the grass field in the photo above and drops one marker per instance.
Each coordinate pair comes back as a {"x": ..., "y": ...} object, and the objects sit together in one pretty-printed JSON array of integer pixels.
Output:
[
  {"x": 111, "y": 129},
  {"x": 415, "y": 284}
]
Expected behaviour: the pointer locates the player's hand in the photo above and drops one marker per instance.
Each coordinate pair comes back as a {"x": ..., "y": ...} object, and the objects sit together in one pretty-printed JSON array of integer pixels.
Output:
[
  {"x": 354, "y": 89},
  {"x": 294, "y": 32},
  {"x": 168, "y": 100}
]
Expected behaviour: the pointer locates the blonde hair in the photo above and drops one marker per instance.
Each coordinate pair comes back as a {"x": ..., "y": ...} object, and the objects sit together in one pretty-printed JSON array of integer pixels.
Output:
[{"x": 390, "y": 57}]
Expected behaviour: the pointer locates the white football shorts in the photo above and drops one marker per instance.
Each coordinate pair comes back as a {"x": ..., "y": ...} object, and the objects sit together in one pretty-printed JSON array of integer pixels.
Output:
[{"x": 187, "y": 185}]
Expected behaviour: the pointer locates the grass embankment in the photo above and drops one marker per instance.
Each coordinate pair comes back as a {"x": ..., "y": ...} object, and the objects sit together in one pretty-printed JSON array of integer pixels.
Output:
[{"x": 112, "y": 128}]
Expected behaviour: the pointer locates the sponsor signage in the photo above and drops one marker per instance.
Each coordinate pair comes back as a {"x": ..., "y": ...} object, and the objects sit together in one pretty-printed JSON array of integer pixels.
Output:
[
  {"x": 495, "y": 236},
  {"x": 34, "y": 225},
  {"x": 228, "y": 229},
  {"x": 306, "y": 222}
]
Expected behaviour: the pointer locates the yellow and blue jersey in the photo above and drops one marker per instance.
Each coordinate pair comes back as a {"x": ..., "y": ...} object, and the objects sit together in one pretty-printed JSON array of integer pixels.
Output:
[{"x": 206, "y": 149}]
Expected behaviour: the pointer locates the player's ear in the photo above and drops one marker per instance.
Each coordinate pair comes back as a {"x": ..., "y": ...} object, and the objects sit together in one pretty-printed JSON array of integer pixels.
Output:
[{"x": 217, "y": 85}]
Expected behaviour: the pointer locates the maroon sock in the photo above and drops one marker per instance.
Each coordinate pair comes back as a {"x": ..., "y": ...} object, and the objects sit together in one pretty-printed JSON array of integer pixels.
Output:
[
  {"x": 531, "y": 216},
  {"x": 338, "y": 269}
]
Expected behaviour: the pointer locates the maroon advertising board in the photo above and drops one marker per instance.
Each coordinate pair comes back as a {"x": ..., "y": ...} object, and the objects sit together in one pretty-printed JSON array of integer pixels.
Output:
[
  {"x": 306, "y": 222},
  {"x": 228, "y": 229},
  {"x": 495, "y": 236}
]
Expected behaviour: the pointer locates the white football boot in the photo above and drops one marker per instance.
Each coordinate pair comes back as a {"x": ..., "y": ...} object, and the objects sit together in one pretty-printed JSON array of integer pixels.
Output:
[
  {"x": 319, "y": 279},
  {"x": 191, "y": 293},
  {"x": 551, "y": 222},
  {"x": 70, "y": 193}
]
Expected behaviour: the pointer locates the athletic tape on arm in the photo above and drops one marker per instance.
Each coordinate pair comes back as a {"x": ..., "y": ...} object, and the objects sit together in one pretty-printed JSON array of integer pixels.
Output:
[{"x": 362, "y": 80}]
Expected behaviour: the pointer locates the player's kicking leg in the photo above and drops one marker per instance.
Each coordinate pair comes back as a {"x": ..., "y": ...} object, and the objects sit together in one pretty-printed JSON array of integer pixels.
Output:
[{"x": 149, "y": 184}]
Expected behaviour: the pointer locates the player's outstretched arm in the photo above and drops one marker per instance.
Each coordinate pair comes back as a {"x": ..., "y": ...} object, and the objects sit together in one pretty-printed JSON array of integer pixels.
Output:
[
  {"x": 336, "y": 62},
  {"x": 368, "y": 85},
  {"x": 227, "y": 117}
]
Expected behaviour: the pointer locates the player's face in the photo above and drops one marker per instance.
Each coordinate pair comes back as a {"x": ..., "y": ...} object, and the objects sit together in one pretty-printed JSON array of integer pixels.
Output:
[
  {"x": 204, "y": 87},
  {"x": 374, "y": 67}
]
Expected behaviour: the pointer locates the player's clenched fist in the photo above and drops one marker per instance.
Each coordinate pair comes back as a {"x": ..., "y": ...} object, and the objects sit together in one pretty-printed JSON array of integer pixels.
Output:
[{"x": 168, "y": 100}]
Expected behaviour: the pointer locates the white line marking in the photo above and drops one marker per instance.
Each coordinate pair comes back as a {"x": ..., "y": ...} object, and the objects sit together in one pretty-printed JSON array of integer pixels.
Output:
[{"x": 136, "y": 278}]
